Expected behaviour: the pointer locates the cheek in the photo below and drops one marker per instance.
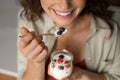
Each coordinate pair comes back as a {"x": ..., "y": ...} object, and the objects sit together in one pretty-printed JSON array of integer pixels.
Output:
[
  {"x": 80, "y": 3},
  {"x": 44, "y": 4}
]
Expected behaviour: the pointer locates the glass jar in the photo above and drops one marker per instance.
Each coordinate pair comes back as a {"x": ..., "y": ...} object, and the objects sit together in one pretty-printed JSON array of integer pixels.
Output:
[{"x": 61, "y": 64}]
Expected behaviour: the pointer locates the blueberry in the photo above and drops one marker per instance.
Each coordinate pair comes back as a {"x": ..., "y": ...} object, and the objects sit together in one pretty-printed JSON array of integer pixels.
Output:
[
  {"x": 59, "y": 32},
  {"x": 61, "y": 67},
  {"x": 62, "y": 29},
  {"x": 61, "y": 56},
  {"x": 54, "y": 60}
]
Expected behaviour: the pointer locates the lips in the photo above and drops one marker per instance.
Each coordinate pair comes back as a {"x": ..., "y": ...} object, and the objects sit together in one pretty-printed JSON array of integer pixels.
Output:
[{"x": 63, "y": 13}]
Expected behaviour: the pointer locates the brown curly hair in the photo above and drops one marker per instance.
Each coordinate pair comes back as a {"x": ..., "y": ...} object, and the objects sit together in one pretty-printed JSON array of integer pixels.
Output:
[{"x": 32, "y": 8}]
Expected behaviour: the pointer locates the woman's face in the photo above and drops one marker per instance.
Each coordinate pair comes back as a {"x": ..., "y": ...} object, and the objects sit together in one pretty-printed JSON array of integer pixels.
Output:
[{"x": 63, "y": 12}]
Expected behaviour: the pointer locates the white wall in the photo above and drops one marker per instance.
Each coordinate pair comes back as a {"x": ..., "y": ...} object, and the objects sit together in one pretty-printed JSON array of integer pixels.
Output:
[{"x": 8, "y": 24}]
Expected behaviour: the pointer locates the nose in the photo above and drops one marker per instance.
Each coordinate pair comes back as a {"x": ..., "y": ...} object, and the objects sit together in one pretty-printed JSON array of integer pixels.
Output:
[{"x": 65, "y": 4}]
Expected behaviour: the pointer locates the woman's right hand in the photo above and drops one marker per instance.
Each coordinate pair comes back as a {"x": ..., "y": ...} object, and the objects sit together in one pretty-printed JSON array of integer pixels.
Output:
[{"x": 32, "y": 46}]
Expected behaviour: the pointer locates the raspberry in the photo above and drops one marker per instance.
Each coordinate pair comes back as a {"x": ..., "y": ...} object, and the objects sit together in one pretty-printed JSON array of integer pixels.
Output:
[
  {"x": 66, "y": 62},
  {"x": 60, "y": 61},
  {"x": 67, "y": 65},
  {"x": 53, "y": 65}
]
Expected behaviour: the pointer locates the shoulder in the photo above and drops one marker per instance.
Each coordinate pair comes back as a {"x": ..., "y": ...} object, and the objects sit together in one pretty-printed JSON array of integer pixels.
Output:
[
  {"x": 24, "y": 22},
  {"x": 103, "y": 24},
  {"x": 41, "y": 23},
  {"x": 110, "y": 31}
]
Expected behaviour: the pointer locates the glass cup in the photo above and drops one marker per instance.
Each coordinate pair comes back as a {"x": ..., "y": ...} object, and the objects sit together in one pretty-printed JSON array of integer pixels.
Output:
[{"x": 61, "y": 64}]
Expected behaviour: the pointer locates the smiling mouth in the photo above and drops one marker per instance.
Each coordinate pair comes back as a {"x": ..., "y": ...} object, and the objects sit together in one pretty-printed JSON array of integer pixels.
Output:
[{"x": 63, "y": 13}]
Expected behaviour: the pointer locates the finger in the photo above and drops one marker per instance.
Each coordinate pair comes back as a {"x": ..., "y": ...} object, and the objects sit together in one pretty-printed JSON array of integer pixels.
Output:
[
  {"x": 76, "y": 74},
  {"x": 25, "y": 40},
  {"x": 42, "y": 55},
  {"x": 39, "y": 38},
  {"x": 29, "y": 48},
  {"x": 37, "y": 50},
  {"x": 24, "y": 31}
]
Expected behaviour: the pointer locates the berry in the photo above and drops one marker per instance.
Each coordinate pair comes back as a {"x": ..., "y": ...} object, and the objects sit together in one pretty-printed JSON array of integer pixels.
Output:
[
  {"x": 66, "y": 62},
  {"x": 59, "y": 32},
  {"x": 62, "y": 29},
  {"x": 54, "y": 60},
  {"x": 67, "y": 65},
  {"x": 61, "y": 67},
  {"x": 61, "y": 56},
  {"x": 60, "y": 61},
  {"x": 53, "y": 65}
]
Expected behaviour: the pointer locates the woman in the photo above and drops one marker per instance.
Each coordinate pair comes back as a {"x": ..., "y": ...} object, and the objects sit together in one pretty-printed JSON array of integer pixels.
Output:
[{"x": 92, "y": 37}]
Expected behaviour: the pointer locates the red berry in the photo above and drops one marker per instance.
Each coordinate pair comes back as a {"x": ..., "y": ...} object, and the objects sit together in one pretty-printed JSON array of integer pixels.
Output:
[
  {"x": 67, "y": 65},
  {"x": 60, "y": 61},
  {"x": 53, "y": 65},
  {"x": 66, "y": 62}
]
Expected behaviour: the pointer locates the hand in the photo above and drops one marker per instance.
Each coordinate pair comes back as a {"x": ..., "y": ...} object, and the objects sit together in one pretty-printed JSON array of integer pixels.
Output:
[
  {"x": 76, "y": 74},
  {"x": 31, "y": 46},
  {"x": 81, "y": 74}
]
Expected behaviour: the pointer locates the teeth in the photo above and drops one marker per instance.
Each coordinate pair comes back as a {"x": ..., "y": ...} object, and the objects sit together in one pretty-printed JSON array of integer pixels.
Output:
[{"x": 63, "y": 13}]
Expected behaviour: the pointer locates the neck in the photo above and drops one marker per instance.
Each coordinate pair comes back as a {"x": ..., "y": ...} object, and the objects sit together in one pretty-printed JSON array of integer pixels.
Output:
[{"x": 81, "y": 23}]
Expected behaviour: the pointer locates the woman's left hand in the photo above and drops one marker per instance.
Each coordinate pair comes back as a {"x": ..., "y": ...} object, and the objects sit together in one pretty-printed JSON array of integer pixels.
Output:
[
  {"x": 81, "y": 74},
  {"x": 76, "y": 74}
]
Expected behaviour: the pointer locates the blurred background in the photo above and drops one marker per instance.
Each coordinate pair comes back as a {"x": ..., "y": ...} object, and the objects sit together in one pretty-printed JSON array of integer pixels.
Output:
[{"x": 8, "y": 26}]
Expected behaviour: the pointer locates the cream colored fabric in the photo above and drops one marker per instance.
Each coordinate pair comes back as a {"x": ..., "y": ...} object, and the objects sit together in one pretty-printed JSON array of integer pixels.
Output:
[{"x": 102, "y": 49}]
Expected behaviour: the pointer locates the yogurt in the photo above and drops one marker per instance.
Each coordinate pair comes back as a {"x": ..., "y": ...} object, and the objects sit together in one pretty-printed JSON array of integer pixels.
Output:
[
  {"x": 60, "y": 31},
  {"x": 61, "y": 65}
]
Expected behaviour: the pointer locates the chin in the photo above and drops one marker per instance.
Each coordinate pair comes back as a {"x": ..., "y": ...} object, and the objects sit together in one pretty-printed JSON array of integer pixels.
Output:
[{"x": 63, "y": 23}]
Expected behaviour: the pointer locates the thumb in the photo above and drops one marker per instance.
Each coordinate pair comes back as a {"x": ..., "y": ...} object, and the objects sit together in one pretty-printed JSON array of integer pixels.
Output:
[{"x": 24, "y": 31}]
